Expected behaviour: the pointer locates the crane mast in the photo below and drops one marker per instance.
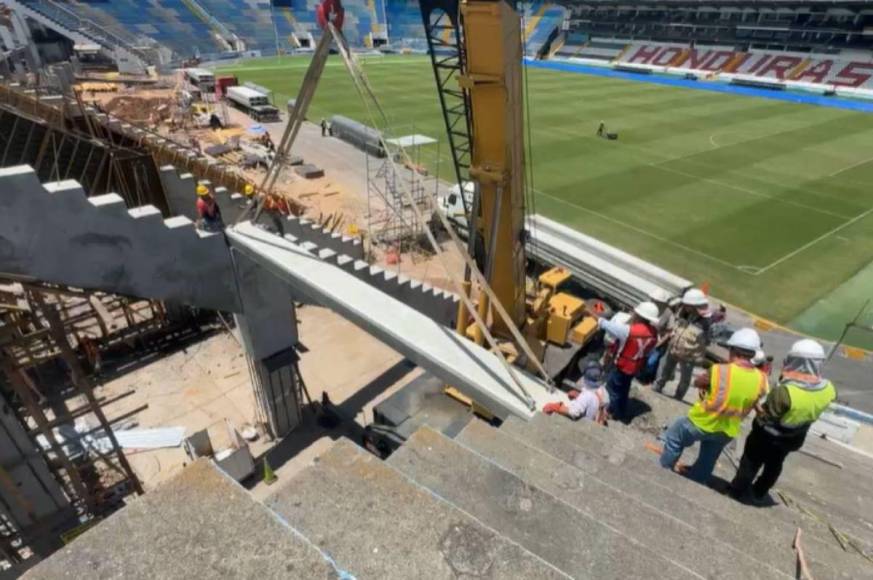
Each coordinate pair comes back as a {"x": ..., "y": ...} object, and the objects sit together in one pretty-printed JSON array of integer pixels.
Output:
[{"x": 476, "y": 50}]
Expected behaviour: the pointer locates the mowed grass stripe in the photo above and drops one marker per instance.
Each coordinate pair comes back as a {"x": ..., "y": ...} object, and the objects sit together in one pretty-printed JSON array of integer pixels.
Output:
[{"x": 701, "y": 183}]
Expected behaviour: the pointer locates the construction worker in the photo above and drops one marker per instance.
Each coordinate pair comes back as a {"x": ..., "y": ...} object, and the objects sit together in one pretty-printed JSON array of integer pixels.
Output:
[
  {"x": 660, "y": 298},
  {"x": 208, "y": 210},
  {"x": 687, "y": 342},
  {"x": 728, "y": 392},
  {"x": 781, "y": 424},
  {"x": 634, "y": 340},
  {"x": 589, "y": 401}
]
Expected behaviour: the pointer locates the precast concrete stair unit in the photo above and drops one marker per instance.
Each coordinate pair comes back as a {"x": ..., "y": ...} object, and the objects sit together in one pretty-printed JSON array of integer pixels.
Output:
[{"x": 56, "y": 234}]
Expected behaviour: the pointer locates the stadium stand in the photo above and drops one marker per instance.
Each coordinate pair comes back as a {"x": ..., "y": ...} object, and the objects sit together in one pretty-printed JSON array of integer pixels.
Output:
[
  {"x": 169, "y": 22},
  {"x": 799, "y": 26},
  {"x": 541, "y": 21},
  {"x": 850, "y": 68},
  {"x": 404, "y": 24}
]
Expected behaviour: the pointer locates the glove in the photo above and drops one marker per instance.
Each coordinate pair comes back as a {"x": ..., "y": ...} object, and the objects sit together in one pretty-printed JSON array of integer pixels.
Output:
[
  {"x": 573, "y": 393},
  {"x": 550, "y": 408}
]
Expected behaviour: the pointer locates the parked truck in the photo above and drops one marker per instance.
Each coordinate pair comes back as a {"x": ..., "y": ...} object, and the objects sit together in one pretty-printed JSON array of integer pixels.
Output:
[
  {"x": 201, "y": 78},
  {"x": 255, "y": 104}
]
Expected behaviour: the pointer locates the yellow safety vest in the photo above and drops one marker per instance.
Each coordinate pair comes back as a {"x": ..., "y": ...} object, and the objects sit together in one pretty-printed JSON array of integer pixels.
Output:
[
  {"x": 733, "y": 392},
  {"x": 807, "y": 405}
]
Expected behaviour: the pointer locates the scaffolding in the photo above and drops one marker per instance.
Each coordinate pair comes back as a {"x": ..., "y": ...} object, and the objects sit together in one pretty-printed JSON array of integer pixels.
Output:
[
  {"x": 54, "y": 480},
  {"x": 390, "y": 219}
]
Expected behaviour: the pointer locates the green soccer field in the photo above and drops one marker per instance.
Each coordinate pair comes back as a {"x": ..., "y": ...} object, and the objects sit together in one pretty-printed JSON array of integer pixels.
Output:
[{"x": 769, "y": 202}]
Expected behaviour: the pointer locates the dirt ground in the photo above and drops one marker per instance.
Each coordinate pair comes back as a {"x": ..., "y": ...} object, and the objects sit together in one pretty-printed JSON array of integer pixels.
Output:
[{"x": 207, "y": 386}]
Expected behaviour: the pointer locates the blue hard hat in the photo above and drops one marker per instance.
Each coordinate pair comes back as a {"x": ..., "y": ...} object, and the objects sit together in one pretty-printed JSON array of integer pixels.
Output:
[{"x": 592, "y": 374}]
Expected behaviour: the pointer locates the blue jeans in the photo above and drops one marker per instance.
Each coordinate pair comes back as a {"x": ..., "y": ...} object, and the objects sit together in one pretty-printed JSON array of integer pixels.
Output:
[
  {"x": 618, "y": 386},
  {"x": 683, "y": 433}
]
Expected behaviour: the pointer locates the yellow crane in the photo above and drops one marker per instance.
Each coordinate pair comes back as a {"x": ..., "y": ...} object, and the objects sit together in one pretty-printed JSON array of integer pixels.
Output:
[{"x": 477, "y": 51}]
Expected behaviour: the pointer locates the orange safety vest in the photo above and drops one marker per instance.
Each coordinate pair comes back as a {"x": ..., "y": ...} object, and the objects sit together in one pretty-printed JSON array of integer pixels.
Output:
[{"x": 733, "y": 392}]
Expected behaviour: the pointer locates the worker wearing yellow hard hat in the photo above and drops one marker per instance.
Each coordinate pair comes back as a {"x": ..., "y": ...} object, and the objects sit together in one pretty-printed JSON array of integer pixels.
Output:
[{"x": 208, "y": 212}]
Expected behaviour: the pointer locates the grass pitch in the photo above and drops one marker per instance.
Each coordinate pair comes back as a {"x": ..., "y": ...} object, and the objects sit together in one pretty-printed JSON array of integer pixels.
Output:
[{"x": 769, "y": 202}]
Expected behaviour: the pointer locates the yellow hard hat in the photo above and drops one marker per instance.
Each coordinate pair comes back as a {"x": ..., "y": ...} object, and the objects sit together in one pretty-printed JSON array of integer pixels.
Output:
[
  {"x": 202, "y": 190},
  {"x": 249, "y": 190}
]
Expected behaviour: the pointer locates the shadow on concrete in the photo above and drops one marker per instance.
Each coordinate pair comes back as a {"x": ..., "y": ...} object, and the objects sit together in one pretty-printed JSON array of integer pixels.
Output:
[
  {"x": 329, "y": 420},
  {"x": 635, "y": 408}
]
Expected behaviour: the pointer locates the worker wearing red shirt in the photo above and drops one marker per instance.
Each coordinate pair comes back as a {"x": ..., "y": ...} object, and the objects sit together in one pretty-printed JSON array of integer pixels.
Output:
[
  {"x": 634, "y": 341},
  {"x": 208, "y": 210}
]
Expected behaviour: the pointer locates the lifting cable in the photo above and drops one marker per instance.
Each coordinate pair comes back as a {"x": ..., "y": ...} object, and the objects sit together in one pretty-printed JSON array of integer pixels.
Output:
[{"x": 367, "y": 94}]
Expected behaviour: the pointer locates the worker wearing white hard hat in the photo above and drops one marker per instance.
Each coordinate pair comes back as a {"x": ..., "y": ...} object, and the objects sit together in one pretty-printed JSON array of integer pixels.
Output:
[
  {"x": 660, "y": 298},
  {"x": 634, "y": 340},
  {"x": 688, "y": 341},
  {"x": 802, "y": 395},
  {"x": 728, "y": 392}
]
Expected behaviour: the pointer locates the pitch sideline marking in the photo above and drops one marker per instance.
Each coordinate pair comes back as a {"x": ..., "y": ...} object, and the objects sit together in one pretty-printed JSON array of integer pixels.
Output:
[
  {"x": 852, "y": 166},
  {"x": 811, "y": 243},
  {"x": 644, "y": 232},
  {"x": 745, "y": 190}
]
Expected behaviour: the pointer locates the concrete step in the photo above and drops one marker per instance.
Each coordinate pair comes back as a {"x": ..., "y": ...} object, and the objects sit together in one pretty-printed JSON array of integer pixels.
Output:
[
  {"x": 376, "y": 523},
  {"x": 805, "y": 482},
  {"x": 200, "y": 524},
  {"x": 626, "y": 466},
  {"x": 658, "y": 530},
  {"x": 574, "y": 541}
]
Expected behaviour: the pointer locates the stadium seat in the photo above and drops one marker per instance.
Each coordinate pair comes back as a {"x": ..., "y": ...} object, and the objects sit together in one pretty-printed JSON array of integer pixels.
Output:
[{"x": 169, "y": 22}]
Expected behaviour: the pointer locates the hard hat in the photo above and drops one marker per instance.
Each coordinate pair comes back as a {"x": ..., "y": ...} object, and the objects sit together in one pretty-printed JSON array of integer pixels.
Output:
[
  {"x": 647, "y": 311},
  {"x": 694, "y": 297},
  {"x": 593, "y": 376},
  {"x": 759, "y": 358},
  {"x": 249, "y": 190},
  {"x": 202, "y": 190},
  {"x": 807, "y": 348},
  {"x": 745, "y": 339},
  {"x": 659, "y": 295}
]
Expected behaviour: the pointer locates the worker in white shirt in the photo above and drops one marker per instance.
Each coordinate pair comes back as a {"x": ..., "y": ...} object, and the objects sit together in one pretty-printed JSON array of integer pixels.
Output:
[{"x": 589, "y": 401}]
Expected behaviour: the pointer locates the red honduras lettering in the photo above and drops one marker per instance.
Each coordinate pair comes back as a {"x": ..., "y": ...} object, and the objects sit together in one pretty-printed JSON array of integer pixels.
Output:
[
  {"x": 645, "y": 54},
  {"x": 718, "y": 60},
  {"x": 780, "y": 65},
  {"x": 851, "y": 77},
  {"x": 818, "y": 72},
  {"x": 667, "y": 55}
]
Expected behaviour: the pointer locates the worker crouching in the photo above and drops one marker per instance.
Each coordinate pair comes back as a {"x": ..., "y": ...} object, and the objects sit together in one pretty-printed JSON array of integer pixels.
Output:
[
  {"x": 589, "y": 401},
  {"x": 784, "y": 420},
  {"x": 728, "y": 393}
]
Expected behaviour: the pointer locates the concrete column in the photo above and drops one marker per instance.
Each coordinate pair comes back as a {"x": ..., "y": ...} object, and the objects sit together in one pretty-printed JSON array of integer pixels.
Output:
[{"x": 268, "y": 327}]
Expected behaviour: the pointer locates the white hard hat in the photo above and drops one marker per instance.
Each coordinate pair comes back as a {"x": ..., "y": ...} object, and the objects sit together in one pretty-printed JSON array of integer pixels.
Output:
[
  {"x": 807, "y": 348},
  {"x": 745, "y": 339},
  {"x": 695, "y": 297},
  {"x": 647, "y": 311},
  {"x": 759, "y": 358},
  {"x": 659, "y": 295}
]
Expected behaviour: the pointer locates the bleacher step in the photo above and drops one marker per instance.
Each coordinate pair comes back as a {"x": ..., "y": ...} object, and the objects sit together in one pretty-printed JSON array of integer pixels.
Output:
[
  {"x": 376, "y": 523},
  {"x": 199, "y": 524},
  {"x": 573, "y": 541},
  {"x": 617, "y": 463},
  {"x": 659, "y": 530}
]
